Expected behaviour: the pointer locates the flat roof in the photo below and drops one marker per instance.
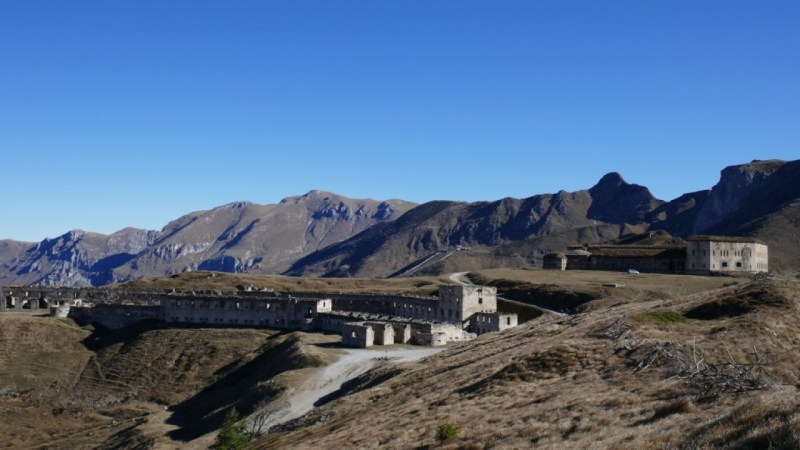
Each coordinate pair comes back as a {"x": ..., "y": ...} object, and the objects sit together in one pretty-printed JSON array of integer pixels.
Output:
[{"x": 749, "y": 240}]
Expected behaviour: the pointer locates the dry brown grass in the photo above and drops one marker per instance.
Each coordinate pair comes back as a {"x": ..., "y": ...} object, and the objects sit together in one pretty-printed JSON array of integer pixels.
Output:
[
  {"x": 227, "y": 282},
  {"x": 62, "y": 386},
  {"x": 528, "y": 387},
  {"x": 595, "y": 279},
  {"x": 555, "y": 382}
]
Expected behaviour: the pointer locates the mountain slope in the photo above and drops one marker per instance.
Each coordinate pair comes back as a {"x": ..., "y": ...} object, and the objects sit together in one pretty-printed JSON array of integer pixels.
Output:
[
  {"x": 244, "y": 236},
  {"x": 325, "y": 234},
  {"x": 437, "y": 226},
  {"x": 77, "y": 258},
  {"x": 514, "y": 232},
  {"x": 760, "y": 199},
  {"x": 236, "y": 237}
]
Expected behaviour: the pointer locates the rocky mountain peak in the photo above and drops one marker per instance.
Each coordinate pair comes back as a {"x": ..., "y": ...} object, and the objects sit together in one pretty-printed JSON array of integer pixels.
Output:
[
  {"x": 610, "y": 180},
  {"x": 314, "y": 195},
  {"x": 615, "y": 200},
  {"x": 736, "y": 184}
]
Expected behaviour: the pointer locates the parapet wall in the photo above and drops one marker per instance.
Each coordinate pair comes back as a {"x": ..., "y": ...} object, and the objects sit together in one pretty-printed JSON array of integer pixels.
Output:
[
  {"x": 233, "y": 310},
  {"x": 114, "y": 316},
  {"x": 35, "y": 297},
  {"x": 384, "y": 319}
]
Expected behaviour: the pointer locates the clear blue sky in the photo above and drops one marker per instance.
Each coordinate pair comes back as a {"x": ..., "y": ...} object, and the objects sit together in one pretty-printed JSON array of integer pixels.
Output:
[{"x": 135, "y": 113}]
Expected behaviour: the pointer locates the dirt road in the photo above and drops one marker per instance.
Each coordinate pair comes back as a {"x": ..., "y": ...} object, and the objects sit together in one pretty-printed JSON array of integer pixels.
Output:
[{"x": 351, "y": 364}]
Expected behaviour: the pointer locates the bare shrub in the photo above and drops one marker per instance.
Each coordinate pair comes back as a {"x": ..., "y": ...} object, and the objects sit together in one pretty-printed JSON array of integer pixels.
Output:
[
  {"x": 265, "y": 414},
  {"x": 705, "y": 378}
]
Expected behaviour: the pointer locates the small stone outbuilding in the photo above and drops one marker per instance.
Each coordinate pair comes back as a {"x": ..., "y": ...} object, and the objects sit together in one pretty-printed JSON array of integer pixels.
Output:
[
  {"x": 554, "y": 261},
  {"x": 383, "y": 332},
  {"x": 358, "y": 334}
]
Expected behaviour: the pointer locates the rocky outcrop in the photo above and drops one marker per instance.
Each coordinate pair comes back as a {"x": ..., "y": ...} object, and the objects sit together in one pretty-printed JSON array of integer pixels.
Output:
[
  {"x": 76, "y": 258},
  {"x": 614, "y": 200},
  {"x": 439, "y": 226},
  {"x": 321, "y": 233},
  {"x": 237, "y": 237},
  {"x": 520, "y": 232},
  {"x": 736, "y": 185}
]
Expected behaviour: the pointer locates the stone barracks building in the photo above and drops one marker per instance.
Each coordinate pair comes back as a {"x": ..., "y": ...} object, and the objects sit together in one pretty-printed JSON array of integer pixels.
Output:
[
  {"x": 699, "y": 255},
  {"x": 458, "y": 313}
]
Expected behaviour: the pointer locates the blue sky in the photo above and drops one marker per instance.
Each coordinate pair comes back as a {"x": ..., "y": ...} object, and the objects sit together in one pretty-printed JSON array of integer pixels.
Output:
[{"x": 117, "y": 114}]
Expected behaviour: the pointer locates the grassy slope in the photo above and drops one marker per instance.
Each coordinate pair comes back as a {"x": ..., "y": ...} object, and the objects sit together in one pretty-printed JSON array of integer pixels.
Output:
[
  {"x": 557, "y": 382},
  {"x": 66, "y": 387},
  {"x": 550, "y": 382},
  {"x": 227, "y": 282}
]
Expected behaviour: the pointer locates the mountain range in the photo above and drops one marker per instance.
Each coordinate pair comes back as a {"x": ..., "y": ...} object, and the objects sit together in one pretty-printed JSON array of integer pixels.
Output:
[
  {"x": 324, "y": 234},
  {"x": 237, "y": 237}
]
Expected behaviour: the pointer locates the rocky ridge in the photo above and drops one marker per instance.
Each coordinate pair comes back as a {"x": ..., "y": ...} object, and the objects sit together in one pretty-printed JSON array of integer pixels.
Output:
[
  {"x": 324, "y": 234},
  {"x": 237, "y": 237},
  {"x": 518, "y": 232}
]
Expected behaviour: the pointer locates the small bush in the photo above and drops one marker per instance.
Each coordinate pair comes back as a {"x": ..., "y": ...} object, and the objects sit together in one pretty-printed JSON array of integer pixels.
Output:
[
  {"x": 233, "y": 435},
  {"x": 660, "y": 317},
  {"x": 446, "y": 430}
]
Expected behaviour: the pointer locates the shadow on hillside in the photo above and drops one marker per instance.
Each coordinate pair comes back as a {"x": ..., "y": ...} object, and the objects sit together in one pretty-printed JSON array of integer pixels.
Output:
[
  {"x": 244, "y": 387},
  {"x": 362, "y": 382},
  {"x": 103, "y": 337}
]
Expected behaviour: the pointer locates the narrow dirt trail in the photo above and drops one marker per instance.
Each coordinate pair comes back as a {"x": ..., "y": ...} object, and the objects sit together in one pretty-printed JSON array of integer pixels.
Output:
[{"x": 458, "y": 278}]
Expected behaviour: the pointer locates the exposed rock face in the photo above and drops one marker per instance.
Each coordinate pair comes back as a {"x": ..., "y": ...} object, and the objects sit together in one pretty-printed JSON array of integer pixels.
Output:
[
  {"x": 321, "y": 233},
  {"x": 616, "y": 201},
  {"x": 237, "y": 237},
  {"x": 436, "y": 226},
  {"x": 77, "y": 258},
  {"x": 736, "y": 184},
  {"x": 512, "y": 232}
]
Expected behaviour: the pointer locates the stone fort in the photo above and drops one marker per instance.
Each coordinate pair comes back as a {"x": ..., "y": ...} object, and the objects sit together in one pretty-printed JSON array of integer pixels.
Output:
[
  {"x": 698, "y": 255},
  {"x": 458, "y": 312}
]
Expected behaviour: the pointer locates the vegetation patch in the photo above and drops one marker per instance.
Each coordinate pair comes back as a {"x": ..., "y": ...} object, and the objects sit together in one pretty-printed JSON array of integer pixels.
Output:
[
  {"x": 233, "y": 434},
  {"x": 446, "y": 430},
  {"x": 660, "y": 317}
]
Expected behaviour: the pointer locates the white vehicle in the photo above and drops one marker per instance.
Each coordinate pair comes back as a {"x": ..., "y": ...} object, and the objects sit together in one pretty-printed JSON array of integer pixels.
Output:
[{"x": 633, "y": 271}]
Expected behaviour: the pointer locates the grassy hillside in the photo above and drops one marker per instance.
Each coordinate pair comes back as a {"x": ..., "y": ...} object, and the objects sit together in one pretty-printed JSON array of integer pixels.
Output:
[
  {"x": 668, "y": 371},
  {"x": 664, "y": 361},
  {"x": 228, "y": 282},
  {"x": 70, "y": 388}
]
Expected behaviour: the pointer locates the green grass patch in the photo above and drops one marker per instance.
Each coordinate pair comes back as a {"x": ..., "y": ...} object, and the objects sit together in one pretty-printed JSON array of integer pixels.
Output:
[
  {"x": 446, "y": 430},
  {"x": 660, "y": 317}
]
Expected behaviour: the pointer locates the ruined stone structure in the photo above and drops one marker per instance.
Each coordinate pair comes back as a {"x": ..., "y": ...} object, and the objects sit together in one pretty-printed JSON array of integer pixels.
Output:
[
  {"x": 358, "y": 334},
  {"x": 554, "y": 261},
  {"x": 45, "y": 297},
  {"x": 707, "y": 254},
  {"x": 645, "y": 258},
  {"x": 578, "y": 258},
  {"x": 458, "y": 313},
  {"x": 488, "y": 323},
  {"x": 268, "y": 311},
  {"x": 700, "y": 255}
]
